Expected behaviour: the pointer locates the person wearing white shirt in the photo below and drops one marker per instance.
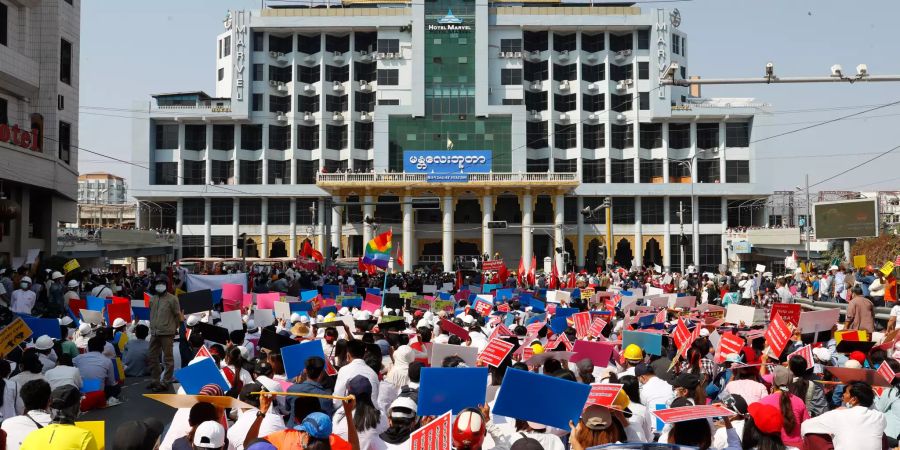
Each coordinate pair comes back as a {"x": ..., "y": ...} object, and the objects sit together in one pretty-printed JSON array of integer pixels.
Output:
[
  {"x": 271, "y": 422},
  {"x": 856, "y": 425},
  {"x": 23, "y": 299},
  {"x": 12, "y": 402},
  {"x": 356, "y": 349},
  {"x": 36, "y": 398},
  {"x": 654, "y": 391},
  {"x": 64, "y": 373}
]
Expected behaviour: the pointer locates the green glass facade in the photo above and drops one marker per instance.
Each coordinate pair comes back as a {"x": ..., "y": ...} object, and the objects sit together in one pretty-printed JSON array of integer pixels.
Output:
[{"x": 450, "y": 94}]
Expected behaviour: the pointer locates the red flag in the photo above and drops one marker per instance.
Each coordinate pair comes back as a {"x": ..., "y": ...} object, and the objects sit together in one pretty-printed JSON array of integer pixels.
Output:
[
  {"x": 531, "y": 276},
  {"x": 307, "y": 249},
  {"x": 459, "y": 280},
  {"x": 503, "y": 274},
  {"x": 399, "y": 257},
  {"x": 520, "y": 274},
  {"x": 681, "y": 334},
  {"x": 571, "y": 283},
  {"x": 554, "y": 276},
  {"x": 316, "y": 255}
]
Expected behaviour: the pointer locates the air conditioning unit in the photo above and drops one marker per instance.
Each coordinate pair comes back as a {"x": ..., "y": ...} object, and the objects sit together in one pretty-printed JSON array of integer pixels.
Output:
[
  {"x": 564, "y": 117},
  {"x": 309, "y": 117},
  {"x": 281, "y": 59},
  {"x": 564, "y": 85},
  {"x": 365, "y": 56},
  {"x": 309, "y": 89},
  {"x": 503, "y": 55},
  {"x": 309, "y": 59},
  {"x": 337, "y": 117},
  {"x": 620, "y": 117},
  {"x": 535, "y": 114},
  {"x": 629, "y": 82},
  {"x": 282, "y": 88},
  {"x": 593, "y": 117},
  {"x": 364, "y": 86},
  {"x": 534, "y": 56},
  {"x": 338, "y": 57},
  {"x": 338, "y": 86},
  {"x": 275, "y": 54},
  {"x": 537, "y": 86},
  {"x": 518, "y": 54},
  {"x": 592, "y": 57},
  {"x": 564, "y": 55},
  {"x": 593, "y": 87},
  {"x": 280, "y": 116},
  {"x": 273, "y": 83},
  {"x": 621, "y": 55},
  {"x": 621, "y": 85},
  {"x": 365, "y": 116},
  {"x": 389, "y": 55},
  {"x": 379, "y": 55}
]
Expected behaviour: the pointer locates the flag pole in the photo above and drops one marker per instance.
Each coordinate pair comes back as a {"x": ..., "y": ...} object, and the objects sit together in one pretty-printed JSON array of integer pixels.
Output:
[{"x": 384, "y": 289}]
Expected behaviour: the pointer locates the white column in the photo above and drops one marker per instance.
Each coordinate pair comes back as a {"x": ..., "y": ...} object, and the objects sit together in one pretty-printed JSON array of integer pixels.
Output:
[
  {"x": 320, "y": 216},
  {"x": 487, "y": 235},
  {"x": 264, "y": 228},
  {"x": 368, "y": 210},
  {"x": 207, "y": 227},
  {"x": 236, "y": 228},
  {"x": 337, "y": 223},
  {"x": 179, "y": 225},
  {"x": 208, "y": 160},
  {"x": 559, "y": 239},
  {"x": 667, "y": 235},
  {"x": 292, "y": 242},
  {"x": 448, "y": 234},
  {"x": 579, "y": 246},
  {"x": 724, "y": 229},
  {"x": 695, "y": 230},
  {"x": 407, "y": 234},
  {"x": 527, "y": 240},
  {"x": 179, "y": 176},
  {"x": 638, "y": 233}
]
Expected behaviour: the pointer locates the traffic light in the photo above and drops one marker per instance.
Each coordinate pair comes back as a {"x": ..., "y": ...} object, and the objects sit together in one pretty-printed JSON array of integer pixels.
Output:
[
  {"x": 335, "y": 252},
  {"x": 497, "y": 225},
  {"x": 426, "y": 203}
]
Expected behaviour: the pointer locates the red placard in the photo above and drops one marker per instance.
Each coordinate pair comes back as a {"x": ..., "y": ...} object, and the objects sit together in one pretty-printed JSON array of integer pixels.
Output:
[
  {"x": 790, "y": 312},
  {"x": 597, "y": 327},
  {"x": 371, "y": 303},
  {"x": 495, "y": 352},
  {"x": 501, "y": 330},
  {"x": 527, "y": 353},
  {"x": 551, "y": 308},
  {"x": 681, "y": 334},
  {"x": 582, "y": 324},
  {"x": 454, "y": 329},
  {"x": 534, "y": 328},
  {"x": 673, "y": 415},
  {"x": 610, "y": 303},
  {"x": 483, "y": 308},
  {"x": 77, "y": 304},
  {"x": 434, "y": 436},
  {"x": 492, "y": 265},
  {"x": 503, "y": 307},
  {"x": 806, "y": 353},
  {"x": 777, "y": 334},
  {"x": 603, "y": 394},
  {"x": 118, "y": 310},
  {"x": 886, "y": 372},
  {"x": 559, "y": 339},
  {"x": 661, "y": 316},
  {"x": 203, "y": 353},
  {"x": 729, "y": 343}
]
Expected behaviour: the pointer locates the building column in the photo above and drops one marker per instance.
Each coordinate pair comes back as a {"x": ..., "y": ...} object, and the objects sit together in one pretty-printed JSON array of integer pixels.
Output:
[
  {"x": 527, "y": 239},
  {"x": 207, "y": 227},
  {"x": 695, "y": 231},
  {"x": 292, "y": 242},
  {"x": 638, "y": 234},
  {"x": 487, "y": 234},
  {"x": 724, "y": 231},
  {"x": 368, "y": 210},
  {"x": 337, "y": 222},
  {"x": 559, "y": 239},
  {"x": 447, "y": 231},
  {"x": 667, "y": 236},
  {"x": 236, "y": 228},
  {"x": 320, "y": 224},
  {"x": 179, "y": 226},
  {"x": 407, "y": 250},
  {"x": 579, "y": 246},
  {"x": 264, "y": 228},
  {"x": 208, "y": 159}
]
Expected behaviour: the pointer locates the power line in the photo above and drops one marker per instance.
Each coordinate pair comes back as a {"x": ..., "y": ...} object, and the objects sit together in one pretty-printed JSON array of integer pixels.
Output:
[
  {"x": 837, "y": 119},
  {"x": 855, "y": 167}
]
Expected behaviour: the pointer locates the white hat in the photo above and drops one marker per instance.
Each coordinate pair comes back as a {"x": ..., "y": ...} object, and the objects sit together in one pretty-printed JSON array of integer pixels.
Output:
[
  {"x": 119, "y": 322},
  {"x": 192, "y": 320},
  {"x": 822, "y": 354},
  {"x": 65, "y": 321},
  {"x": 423, "y": 323},
  {"x": 73, "y": 283},
  {"x": 209, "y": 434},
  {"x": 428, "y": 315},
  {"x": 405, "y": 403},
  {"x": 468, "y": 320},
  {"x": 268, "y": 383},
  {"x": 852, "y": 364},
  {"x": 84, "y": 329},
  {"x": 245, "y": 353},
  {"x": 388, "y": 311},
  {"x": 704, "y": 332},
  {"x": 365, "y": 315},
  {"x": 833, "y": 268},
  {"x": 343, "y": 311},
  {"x": 44, "y": 342},
  {"x": 295, "y": 317},
  {"x": 304, "y": 319},
  {"x": 56, "y": 275},
  {"x": 25, "y": 280},
  {"x": 320, "y": 318}
]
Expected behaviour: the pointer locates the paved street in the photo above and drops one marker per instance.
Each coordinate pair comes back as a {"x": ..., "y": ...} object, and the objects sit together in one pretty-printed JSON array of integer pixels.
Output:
[{"x": 134, "y": 407}]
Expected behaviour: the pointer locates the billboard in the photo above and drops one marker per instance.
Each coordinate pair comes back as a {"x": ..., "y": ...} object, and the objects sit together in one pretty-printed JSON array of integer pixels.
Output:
[
  {"x": 846, "y": 219},
  {"x": 447, "y": 165}
]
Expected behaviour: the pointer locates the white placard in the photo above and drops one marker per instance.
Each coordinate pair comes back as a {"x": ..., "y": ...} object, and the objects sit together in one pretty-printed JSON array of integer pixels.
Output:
[
  {"x": 441, "y": 351},
  {"x": 92, "y": 317},
  {"x": 654, "y": 291},
  {"x": 32, "y": 256},
  {"x": 283, "y": 311},
  {"x": 447, "y": 287},
  {"x": 429, "y": 289},
  {"x": 738, "y": 313},
  {"x": 760, "y": 267},
  {"x": 263, "y": 317},
  {"x": 231, "y": 320}
]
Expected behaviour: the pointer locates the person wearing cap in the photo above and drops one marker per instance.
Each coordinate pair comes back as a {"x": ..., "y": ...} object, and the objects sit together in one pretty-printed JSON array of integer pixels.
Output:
[
  {"x": 94, "y": 365},
  {"x": 860, "y": 312},
  {"x": 179, "y": 437},
  {"x": 138, "y": 434},
  {"x": 402, "y": 421},
  {"x": 55, "y": 293},
  {"x": 44, "y": 346},
  {"x": 856, "y": 425},
  {"x": 654, "y": 390},
  {"x": 761, "y": 430},
  {"x": 209, "y": 435},
  {"x": 685, "y": 385},
  {"x": 314, "y": 431},
  {"x": 71, "y": 292},
  {"x": 503, "y": 438},
  {"x": 370, "y": 421},
  {"x": 633, "y": 355},
  {"x": 737, "y": 404},
  {"x": 744, "y": 382},
  {"x": 23, "y": 299},
  {"x": 165, "y": 317},
  {"x": 793, "y": 408},
  {"x": 61, "y": 433},
  {"x": 598, "y": 426}
]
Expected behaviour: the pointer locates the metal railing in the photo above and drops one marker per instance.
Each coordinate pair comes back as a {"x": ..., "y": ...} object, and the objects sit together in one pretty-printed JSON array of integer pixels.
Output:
[
  {"x": 508, "y": 177},
  {"x": 216, "y": 106},
  {"x": 881, "y": 313}
]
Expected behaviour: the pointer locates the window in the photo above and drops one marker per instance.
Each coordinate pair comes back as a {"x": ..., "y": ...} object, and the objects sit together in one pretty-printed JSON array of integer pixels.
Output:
[
  {"x": 222, "y": 211},
  {"x": 564, "y": 72},
  {"x": 306, "y": 172},
  {"x": 195, "y": 137},
  {"x": 389, "y": 46},
  {"x": 279, "y": 173},
  {"x": 564, "y": 42},
  {"x": 365, "y": 41},
  {"x": 304, "y": 214},
  {"x": 510, "y": 77},
  {"x": 707, "y": 135},
  {"x": 364, "y": 71},
  {"x": 279, "y": 137},
  {"x": 652, "y": 211},
  {"x": 281, "y": 44},
  {"x": 565, "y": 165},
  {"x": 651, "y": 136},
  {"x": 4, "y": 111},
  {"x": 340, "y": 44},
  {"x": 364, "y": 101},
  {"x": 251, "y": 137},
  {"x": 256, "y": 102},
  {"x": 619, "y": 73},
  {"x": 710, "y": 210},
  {"x": 537, "y": 165},
  {"x": 536, "y": 101},
  {"x": 593, "y": 171},
  {"x": 309, "y": 44},
  {"x": 564, "y": 136},
  {"x": 191, "y": 246},
  {"x": 676, "y": 44},
  {"x": 594, "y": 103},
  {"x": 594, "y": 73},
  {"x": 282, "y": 74},
  {"x": 679, "y": 171},
  {"x": 336, "y": 136},
  {"x": 643, "y": 70},
  {"x": 308, "y": 75},
  {"x": 4, "y": 25},
  {"x": 336, "y": 103},
  {"x": 307, "y": 103},
  {"x": 279, "y": 211},
  {"x": 194, "y": 172},
  {"x": 65, "y": 60},
  {"x": 511, "y": 101},
  {"x": 593, "y": 42},
  {"x": 620, "y": 103},
  {"x": 279, "y": 104},
  {"x": 166, "y": 173},
  {"x": 651, "y": 170},
  {"x": 510, "y": 45},
  {"x": 676, "y": 204},
  {"x": 737, "y": 171},
  {"x": 335, "y": 73},
  {"x": 223, "y": 137},
  {"x": 739, "y": 215},
  {"x": 622, "y": 170},
  {"x": 220, "y": 246},
  {"x": 536, "y": 71},
  {"x": 536, "y": 134},
  {"x": 623, "y": 210},
  {"x": 251, "y": 172},
  {"x": 251, "y": 211},
  {"x": 221, "y": 74},
  {"x": 60, "y": 103},
  {"x": 259, "y": 72},
  {"x": 388, "y": 77},
  {"x": 226, "y": 46},
  {"x": 710, "y": 252},
  {"x": 388, "y": 101},
  {"x": 708, "y": 171},
  {"x": 620, "y": 42},
  {"x": 679, "y": 135},
  {"x": 363, "y": 135},
  {"x": 193, "y": 211},
  {"x": 683, "y": 70},
  {"x": 737, "y": 134},
  {"x": 622, "y": 136},
  {"x": 166, "y": 137},
  {"x": 222, "y": 171},
  {"x": 564, "y": 103},
  {"x": 643, "y": 39},
  {"x": 644, "y": 99},
  {"x": 683, "y": 48},
  {"x": 65, "y": 141},
  {"x": 593, "y": 136},
  {"x": 535, "y": 41},
  {"x": 677, "y": 245},
  {"x": 259, "y": 41},
  {"x": 307, "y": 138}
]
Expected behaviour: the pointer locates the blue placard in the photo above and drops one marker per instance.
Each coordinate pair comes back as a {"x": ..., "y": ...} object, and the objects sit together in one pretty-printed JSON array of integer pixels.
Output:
[
  {"x": 525, "y": 299},
  {"x": 565, "y": 312},
  {"x": 89, "y": 385},
  {"x": 648, "y": 342},
  {"x": 445, "y": 296},
  {"x": 646, "y": 321},
  {"x": 140, "y": 312},
  {"x": 451, "y": 388},
  {"x": 217, "y": 296},
  {"x": 541, "y": 293},
  {"x": 446, "y": 162},
  {"x": 537, "y": 306},
  {"x": 295, "y": 356},
  {"x": 503, "y": 294},
  {"x": 558, "y": 324},
  {"x": 194, "y": 376},
  {"x": 509, "y": 319},
  {"x": 307, "y": 296},
  {"x": 331, "y": 290},
  {"x": 537, "y": 318},
  {"x": 327, "y": 309},
  {"x": 519, "y": 397},
  {"x": 40, "y": 327},
  {"x": 96, "y": 303},
  {"x": 300, "y": 306},
  {"x": 373, "y": 291},
  {"x": 488, "y": 288},
  {"x": 576, "y": 293},
  {"x": 355, "y": 302}
]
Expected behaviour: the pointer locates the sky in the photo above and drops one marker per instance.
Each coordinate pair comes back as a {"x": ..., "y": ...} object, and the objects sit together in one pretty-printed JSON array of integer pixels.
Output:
[{"x": 132, "y": 49}]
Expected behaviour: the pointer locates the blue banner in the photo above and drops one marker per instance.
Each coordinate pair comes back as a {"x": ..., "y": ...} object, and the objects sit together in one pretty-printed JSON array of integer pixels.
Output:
[{"x": 447, "y": 165}]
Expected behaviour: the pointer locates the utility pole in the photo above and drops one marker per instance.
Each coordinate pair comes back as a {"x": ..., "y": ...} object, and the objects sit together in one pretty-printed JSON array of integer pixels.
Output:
[
  {"x": 808, "y": 220},
  {"x": 681, "y": 236},
  {"x": 327, "y": 213}
]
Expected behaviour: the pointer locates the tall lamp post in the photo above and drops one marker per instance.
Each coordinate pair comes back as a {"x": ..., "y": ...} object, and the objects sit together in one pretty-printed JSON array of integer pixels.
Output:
[
  {"x": 689, "y": 164},
  {"x": 589, "y": 212}
]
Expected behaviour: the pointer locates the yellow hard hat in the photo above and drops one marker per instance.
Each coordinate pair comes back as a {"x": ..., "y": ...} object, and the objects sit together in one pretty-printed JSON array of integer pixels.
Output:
[
  {"x": 537, "y": 349},
  {"x": 329, "y": 317},
  {"x": 633, "y": 353},
  {"x": 621, "y": 402}
]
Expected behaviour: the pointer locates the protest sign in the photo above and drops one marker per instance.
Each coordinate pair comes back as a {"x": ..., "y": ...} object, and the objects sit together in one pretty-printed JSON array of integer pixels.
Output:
[
  {"x": 685, "y": 302},
  {"x": 441, "y": 351},
  {"x": 659, "y": 302},
  {"x": 598, "y": 352},
  {"x": 40, "y": 327},
  {"x": 194, "y": 376},
  {"x": 603, "y": 394},
  {"x": 582, "y": 322},
  {"x": 371, "y": 303},
  {"x": 818, "y": 321},
  {"x": 886, "y": 372},
  {"x": 183, "y": 401},
  {"x": 556, "y": 341},
  {"x": 859, "y": 261},
  {"x": 728, "y": 344},
  {"x": 790, "y": 312},
  {"x": 96, "y": 303},
  {"x": 92, "y": 317},
  {"x": 295, "y": 356},
  {"x": 674, "y": 415},
  {"x": 231, "y": 320},
  {"x": 596, "y": 328},
  {"x": 439, "y": 389},
  {"x": 70, "y": 265},
  {"x": 434, "y": 436},
  {"x": 483, "y": 308},
  {"x": 140, "y": 313},
  {"x": 493, "y": 265},
  {"x": 264, "y": 317},
  {"x": 777, "y": 334},
  {"x": 454, "y": 329},
  {"x": 681, "y": 335},
  {"x": 539, "y": 360},
  {"x": 806, "y": 353},
  {"x": 648, "y": 342},
  {"x": 212, "y": 333},
  {"x": 117, "y": 311},
  {"x": 888, "y": 267},
  {"x": 273, "y": 341},
  {"x": 868, "y": 376},
  {"x": 760, "y": 267},
  {"x": 197, "y": 301},
  {"x": 14, "y": 334},
  {"x": 564, "y": 405},
  {"x": 587, "y": 293},
  {"x": 283, "y": 311},
  {"x": 738, "y": 314},
  {"x": 232, "y": 293},
  {"x": 267, "y": 300},
  {"x": 495, "y": 352}
]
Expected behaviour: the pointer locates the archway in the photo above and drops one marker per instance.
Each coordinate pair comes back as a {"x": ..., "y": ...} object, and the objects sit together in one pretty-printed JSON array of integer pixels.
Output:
[
  {"x": 595, "y": 257},
  {"x": 252, "y": 250},
  {"x": 652, "y": 253},
  {"x": 624, "y": 255},
  {"x": 279, "y": 250},
  {"x": 467, "y": 210},
  {"x": 570, "y": 249}
]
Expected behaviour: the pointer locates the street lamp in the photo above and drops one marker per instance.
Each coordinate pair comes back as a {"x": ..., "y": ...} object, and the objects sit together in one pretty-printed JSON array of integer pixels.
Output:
[
  {"x": 808, "y": 219},
  {"x": 589, "y": 212},
  {"x": 689, "y": 164}
]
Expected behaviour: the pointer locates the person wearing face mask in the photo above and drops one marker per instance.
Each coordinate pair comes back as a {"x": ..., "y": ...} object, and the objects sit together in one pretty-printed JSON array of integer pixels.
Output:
[
  {"x": 855, "y": 425},
  {"x": 23, "y": 299},
  {"x": 165, "y": 317}
]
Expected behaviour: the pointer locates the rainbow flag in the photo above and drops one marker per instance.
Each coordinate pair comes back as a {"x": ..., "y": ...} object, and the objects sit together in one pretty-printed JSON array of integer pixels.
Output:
[{"x": 378, "y": 250}]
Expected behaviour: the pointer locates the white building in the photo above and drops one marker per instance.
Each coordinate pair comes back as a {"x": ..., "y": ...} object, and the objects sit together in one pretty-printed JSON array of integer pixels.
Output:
[
  {"x": 540, "y": 110},
  {"x": 39, "y": 50},
  {"x": 101, "y": 188}
]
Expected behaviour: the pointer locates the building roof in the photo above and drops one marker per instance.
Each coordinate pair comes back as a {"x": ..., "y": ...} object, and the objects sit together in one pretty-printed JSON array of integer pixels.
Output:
[{"x": 99, "y": 176}]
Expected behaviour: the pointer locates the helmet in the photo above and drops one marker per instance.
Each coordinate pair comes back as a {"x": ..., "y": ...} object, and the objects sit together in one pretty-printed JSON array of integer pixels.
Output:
[
  {"x": 537, "y": 348},
  {"x": 468, "y": 429},
  {"x": 73, "y": 283},
  {"x": 56, "y": 275},
  {"x": 633, "y": 353},
  {"x": 25, "y": 280}
]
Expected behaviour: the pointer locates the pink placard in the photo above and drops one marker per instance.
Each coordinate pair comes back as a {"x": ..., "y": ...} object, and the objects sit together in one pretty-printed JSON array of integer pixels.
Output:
[
  {"x": 598, "y": 352},
  {"x": 267, "y": 300},
  {"x": 248, "y": 300},
  {"x": 233, "y": 292},
  {"x": 371, "y": 303}
]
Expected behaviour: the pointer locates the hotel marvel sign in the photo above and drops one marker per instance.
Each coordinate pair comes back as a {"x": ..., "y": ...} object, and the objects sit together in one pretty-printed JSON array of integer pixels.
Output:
[
  {"x": 449, "y": 23},
  {"x": 238, "y": 21},
  {"x": 20, "y": 137}
]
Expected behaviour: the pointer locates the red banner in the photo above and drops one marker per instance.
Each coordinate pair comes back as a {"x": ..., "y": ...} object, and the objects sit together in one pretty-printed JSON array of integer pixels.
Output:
[
  {"x": 806, "y": 353},
  {"x": 492, "y": 265},
  {"x": 501, "y": 330},
  {"x": 673, "y": 415},
  {"x": 778, "y": 334},
  {"x": 886, "y": 372},
  {"x": 681, "y": 334},
  {"x": 790, "y": 312},
  {"x": 603, "y": 394},
  {"x": 483, "y": 308},
  {"x": 454, "y": 329},
  {"x": 434, "y": 436},
  {"x": 534, "y": 328},
  {"x": 503, "y": 307},
  {"x": 596, "y": 327},
  {"x": 582, "y": 324},
  {"x": 729, "y": 343},
  {"x": 559, "y": 339},
  {"x": 495, "y": 352}
]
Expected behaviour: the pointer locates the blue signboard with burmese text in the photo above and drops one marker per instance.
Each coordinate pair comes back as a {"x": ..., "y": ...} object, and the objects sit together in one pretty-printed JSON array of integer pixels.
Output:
[{"x": 447, "y": 166}]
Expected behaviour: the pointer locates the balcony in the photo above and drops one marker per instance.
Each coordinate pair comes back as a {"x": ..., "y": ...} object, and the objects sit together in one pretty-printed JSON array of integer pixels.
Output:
[
  {"x": 497, "y": 179},
  {"x": 205, "y": 106}
]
